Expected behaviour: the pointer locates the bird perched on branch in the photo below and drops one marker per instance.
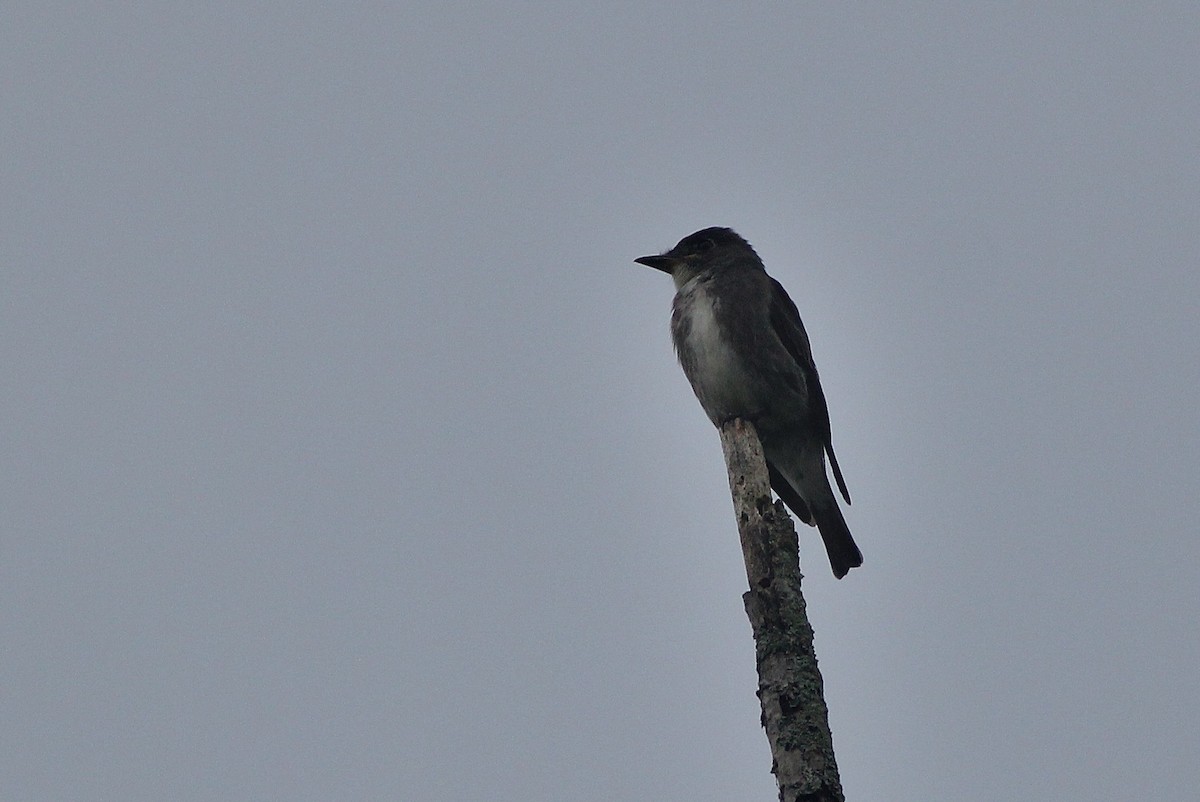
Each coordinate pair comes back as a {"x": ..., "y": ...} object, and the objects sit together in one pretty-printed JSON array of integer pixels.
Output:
[{"x": 743, "y": 347}]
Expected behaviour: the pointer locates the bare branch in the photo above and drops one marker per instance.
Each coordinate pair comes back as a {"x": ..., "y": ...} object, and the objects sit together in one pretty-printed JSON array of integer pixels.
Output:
[{"x": 789, "y": 682}]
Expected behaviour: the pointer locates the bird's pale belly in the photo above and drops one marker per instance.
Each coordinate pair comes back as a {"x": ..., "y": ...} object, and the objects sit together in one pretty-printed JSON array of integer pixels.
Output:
[{"x": 718, "y": 376}]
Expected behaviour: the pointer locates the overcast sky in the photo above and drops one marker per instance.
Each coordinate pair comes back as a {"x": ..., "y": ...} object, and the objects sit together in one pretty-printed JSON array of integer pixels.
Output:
[{"x": 345, "y": 455}]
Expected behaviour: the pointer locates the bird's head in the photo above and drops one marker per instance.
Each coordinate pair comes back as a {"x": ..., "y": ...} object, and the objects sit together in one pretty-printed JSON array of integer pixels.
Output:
[{"x": 709, "y": 249}]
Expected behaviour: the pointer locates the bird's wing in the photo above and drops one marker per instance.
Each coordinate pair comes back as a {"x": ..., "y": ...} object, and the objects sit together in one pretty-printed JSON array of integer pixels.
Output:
[
  {"x": 785, "y": 320},
  {"x": 790, "y": 497}
]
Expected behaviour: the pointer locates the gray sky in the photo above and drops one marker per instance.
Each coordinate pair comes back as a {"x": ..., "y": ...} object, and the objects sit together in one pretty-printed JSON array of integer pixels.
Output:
[{"x": 346, "y": 456}]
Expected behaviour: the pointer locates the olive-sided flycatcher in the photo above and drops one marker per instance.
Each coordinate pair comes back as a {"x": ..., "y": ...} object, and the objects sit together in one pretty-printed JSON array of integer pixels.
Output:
[{"x": 743, "y": 347}]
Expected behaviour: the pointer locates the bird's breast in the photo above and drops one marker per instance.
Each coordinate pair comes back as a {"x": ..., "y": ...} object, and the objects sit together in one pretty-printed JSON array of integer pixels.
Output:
[{"x": 718, "y": 375}]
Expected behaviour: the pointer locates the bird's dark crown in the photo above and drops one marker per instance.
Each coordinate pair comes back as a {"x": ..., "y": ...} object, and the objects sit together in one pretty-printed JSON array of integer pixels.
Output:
[
  {"x": 709, "y": 239},
  {"x": 711, "y": 249}
]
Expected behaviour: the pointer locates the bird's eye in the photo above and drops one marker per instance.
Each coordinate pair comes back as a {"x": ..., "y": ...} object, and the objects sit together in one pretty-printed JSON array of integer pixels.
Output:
[{"x": 705, "y": 245}]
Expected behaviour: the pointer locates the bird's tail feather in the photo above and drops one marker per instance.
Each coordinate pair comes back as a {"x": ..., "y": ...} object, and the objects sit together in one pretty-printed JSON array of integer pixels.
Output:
[
  {"x": 839, "y": 545},
  {"x": 808, "y": 494}
]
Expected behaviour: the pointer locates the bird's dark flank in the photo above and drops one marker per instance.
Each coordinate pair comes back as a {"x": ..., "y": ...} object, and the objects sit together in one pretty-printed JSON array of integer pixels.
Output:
[{"x": 743, "y": 347}]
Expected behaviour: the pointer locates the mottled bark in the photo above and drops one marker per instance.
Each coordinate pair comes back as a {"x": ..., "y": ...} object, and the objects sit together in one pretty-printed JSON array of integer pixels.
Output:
[{"x": 789, "y": 682}]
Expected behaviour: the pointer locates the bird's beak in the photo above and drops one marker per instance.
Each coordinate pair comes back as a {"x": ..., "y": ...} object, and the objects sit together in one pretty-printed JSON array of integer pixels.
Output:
[{"x": 664, "y": 263}]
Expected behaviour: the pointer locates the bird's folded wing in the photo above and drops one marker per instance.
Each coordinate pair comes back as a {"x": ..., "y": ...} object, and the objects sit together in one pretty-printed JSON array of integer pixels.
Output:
[{"x": 785, "y": 320}]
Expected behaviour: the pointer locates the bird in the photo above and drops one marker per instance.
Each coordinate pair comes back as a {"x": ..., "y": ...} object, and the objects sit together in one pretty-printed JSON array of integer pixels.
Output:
[{"x": 740, "y": 341}]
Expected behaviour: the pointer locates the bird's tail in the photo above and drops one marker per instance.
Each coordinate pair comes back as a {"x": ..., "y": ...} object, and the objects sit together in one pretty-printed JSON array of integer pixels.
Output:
[
  {"x": 797, "y": 472},
  {"x": 839, "y": 545}
]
